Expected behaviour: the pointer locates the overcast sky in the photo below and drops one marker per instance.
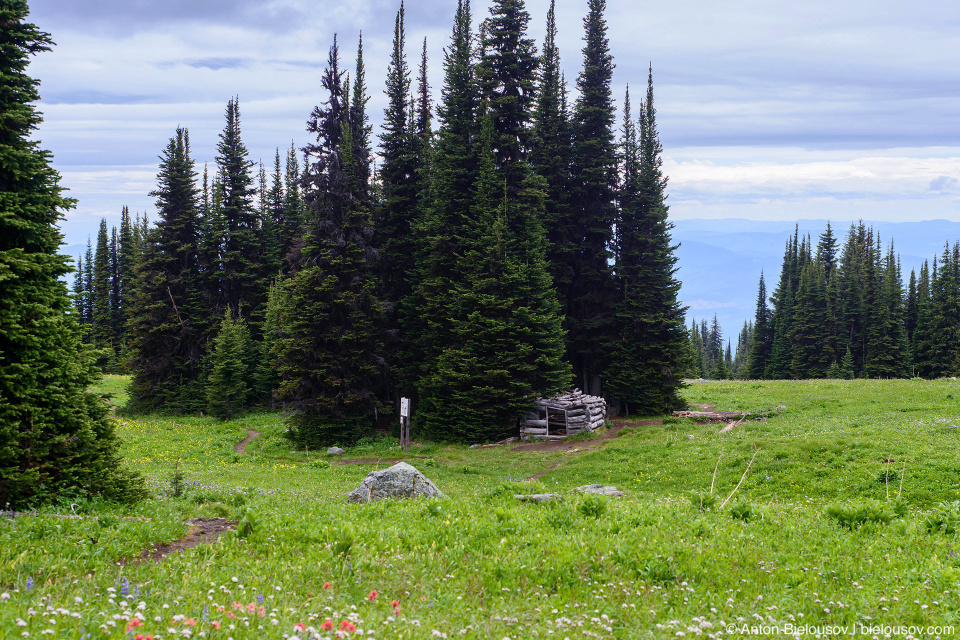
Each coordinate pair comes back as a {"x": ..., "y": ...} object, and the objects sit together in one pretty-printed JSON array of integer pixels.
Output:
[{"x": 767, "y": 110}]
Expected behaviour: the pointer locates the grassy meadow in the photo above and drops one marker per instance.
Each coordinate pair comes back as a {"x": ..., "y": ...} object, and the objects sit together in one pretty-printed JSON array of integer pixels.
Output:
[{"x": 842, "y": 523}]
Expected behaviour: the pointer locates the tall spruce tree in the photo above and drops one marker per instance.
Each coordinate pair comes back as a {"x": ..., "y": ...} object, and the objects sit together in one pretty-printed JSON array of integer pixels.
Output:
[
  {"x": 116, "y": 320},
  {"x": 507, "y": 344},
  {"x": 166, "y": 343},
  {"x": 441, "y": 226},
  {"x": 593, "y": 207},
  {"x": 330, "y": 347},
  {"x": 647, "y": 358},
  {"x": 101, "y": 325},
  {"x": 400, "y": 183},
  {"x": 241, "y": 263},
  {"x": 762, "y": 344},
  {"x": 56, "y": 439},
  {"x": 550, "y": 156}
]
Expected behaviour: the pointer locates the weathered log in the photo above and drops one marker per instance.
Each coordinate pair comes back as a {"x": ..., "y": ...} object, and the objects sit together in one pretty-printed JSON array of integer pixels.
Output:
[
  {"x": 535, "y": 423},
  {"x": 711, "y": 415}
]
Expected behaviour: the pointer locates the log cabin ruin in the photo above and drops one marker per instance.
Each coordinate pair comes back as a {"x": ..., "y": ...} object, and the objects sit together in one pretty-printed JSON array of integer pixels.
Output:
[{"x": 564, "y": 415}]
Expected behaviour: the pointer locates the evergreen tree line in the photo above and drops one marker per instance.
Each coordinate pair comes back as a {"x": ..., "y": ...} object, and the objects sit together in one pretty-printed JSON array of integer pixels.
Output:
[
  {"x": 102, "y": 288},
  {"x": 514, "y": 249},
  {"x": 842, "y": 311}
]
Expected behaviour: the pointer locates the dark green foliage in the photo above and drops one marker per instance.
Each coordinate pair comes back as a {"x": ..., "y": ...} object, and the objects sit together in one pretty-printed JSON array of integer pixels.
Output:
[
  {"x": 166, "y": 342},
  {"x": 330, "y": 346},
  {"x": 101, "y": 324},
  {"x": 400, "y": 147},
  {"x": 762, "y": 344},
  {"x": 292, "y": 220},
  {"x": 847, "y": 316},
  {"x": 227, "y": 389},
  {"x": 550, "y": 156},
  {"x": 440, "y": 228},
  {"x": 506, "y": 342},
  {"x": 649, "y": 346},
  {"x": 79, "y": 293},
  {"x": 242, "y": 278},
  {"x": 811, "y": 345},
  {"x": 56, "y": 439},
  {"x": 593, "y": 208},
  {"x": 265, "y": 378}
]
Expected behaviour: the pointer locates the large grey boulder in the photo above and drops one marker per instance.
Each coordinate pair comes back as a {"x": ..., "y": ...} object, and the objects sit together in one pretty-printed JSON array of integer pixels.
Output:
[
  {"x": 399, "y": 481},
  {"x": 335, "y": 451}
]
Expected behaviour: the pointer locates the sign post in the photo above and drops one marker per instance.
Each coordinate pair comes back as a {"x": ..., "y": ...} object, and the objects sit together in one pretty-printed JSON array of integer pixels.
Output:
[{"x": 405, "y": 424}]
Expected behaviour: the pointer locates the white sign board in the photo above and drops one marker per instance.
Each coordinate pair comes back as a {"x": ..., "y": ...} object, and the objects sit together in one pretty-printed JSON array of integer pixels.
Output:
[{"x": 404, "y": 407}]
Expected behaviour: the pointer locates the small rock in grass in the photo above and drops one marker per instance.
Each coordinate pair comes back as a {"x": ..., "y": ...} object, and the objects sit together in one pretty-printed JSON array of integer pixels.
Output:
[
  {"x": 689, "y": 436},
  {"x": 399, "y": 481},
  {"x": 601, "y": 489},
  {"x": 475, "y": 446},
  {"x": 536, "y": 497},
  {"x": 335, "y": 451}
]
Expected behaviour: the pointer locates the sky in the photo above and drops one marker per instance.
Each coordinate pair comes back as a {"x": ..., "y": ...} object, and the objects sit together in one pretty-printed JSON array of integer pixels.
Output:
[{"x": 767, "y": 110}]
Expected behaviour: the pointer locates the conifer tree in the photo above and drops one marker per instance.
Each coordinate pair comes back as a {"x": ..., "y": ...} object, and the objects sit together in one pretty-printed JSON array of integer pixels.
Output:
[
  {"x": 910, "y": 312},
  {"x": 227, "y": 389},
  {"x": 56, "y": 439},
  {"x": 762, "y": 337},
  {"x": 781, "y": 350},
  {"x": 550, "y": 156},
  {"x": 242, "y": 267},
  {"x": 266, "y": 380},
  {"x": 401, "y": 184},
  {"x": 291, "y": 230},
  {"x": 441, "y": 226},
  {"x": 647, "y": 357},
  {"x": 116, "y": 320},
  {"x": 78, "y": 293},
  {"x": 88, "y": 289},
  {"x": 507, "y": 345},
  {"x": 166, "y": 343},
  {"x": 101, "y": 318},
  {"x": 810, "y": 344},
  {"x": 593, "y": 207},
  {"x": 330, "y": 349},
  {"x": 921, "y": 334}
]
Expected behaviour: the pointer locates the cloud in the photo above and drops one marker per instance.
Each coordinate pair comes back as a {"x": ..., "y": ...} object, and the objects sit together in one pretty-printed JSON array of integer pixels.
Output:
[
  {"x": 873, "y": 175},
  {"x": 942, "y": 183}
]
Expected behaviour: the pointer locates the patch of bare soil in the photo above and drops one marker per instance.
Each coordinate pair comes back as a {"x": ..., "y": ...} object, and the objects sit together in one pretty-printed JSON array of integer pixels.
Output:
[
  {"x": 582, "y": 445},
  {"x": 202, "y": 531},
  {"x": 241, "y": 447},
  {"x": 703, "y": 407}
]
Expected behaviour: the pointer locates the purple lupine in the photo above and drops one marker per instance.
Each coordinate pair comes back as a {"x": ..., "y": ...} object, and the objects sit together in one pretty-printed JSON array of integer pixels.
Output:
[
  {"x": 124, "y": 587},
  {"x": 29, "y": 583},
  {"x": 206, "y": 613},
  {"x": 260, "y": 598}
]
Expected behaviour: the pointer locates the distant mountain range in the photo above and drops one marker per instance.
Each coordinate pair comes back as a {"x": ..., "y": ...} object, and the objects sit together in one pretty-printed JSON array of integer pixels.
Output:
[{"x": 720, "y": 260}]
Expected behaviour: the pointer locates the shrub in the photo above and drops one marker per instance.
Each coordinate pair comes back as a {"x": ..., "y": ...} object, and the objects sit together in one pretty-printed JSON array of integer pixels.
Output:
[
  {"x": 945, "y": 518},
  {"x": 743, "y": 510},
  {"x": 854, "y": 516},
  {"x": 593, "y": 505}
]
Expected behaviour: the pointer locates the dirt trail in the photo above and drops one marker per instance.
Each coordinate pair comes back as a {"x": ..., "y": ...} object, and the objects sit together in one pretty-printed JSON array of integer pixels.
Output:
[
  {"x": 580, "y": 445},
  {"x": 241, "y": 447},
  {"x": 202, "y": 531}
]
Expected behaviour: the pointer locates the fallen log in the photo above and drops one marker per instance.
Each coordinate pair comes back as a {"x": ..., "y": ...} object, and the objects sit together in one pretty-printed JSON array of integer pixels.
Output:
[{"x": 726, "y": 416}]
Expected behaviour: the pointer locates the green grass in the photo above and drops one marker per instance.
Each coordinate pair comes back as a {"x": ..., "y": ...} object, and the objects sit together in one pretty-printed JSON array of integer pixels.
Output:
[{"x": 479, "y": 564}]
